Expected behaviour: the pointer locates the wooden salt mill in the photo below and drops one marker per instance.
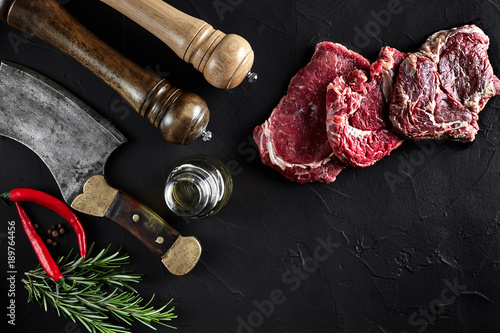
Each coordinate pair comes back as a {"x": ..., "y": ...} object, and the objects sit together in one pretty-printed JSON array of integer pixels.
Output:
[
  {"x": 181, "y": 117},
  {"x": 224, "y": 60}
]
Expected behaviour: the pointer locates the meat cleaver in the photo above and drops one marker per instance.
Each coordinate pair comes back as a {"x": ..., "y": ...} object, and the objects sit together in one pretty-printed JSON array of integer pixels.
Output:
[{"x": 75, "y": 142}]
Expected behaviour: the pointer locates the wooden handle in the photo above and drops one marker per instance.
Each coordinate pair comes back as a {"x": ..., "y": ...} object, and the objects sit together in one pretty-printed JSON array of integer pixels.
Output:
[
  {"x": 224, "y": 60},
  {"x": 181, "y": 117},
  {"x": 143, "y": 223},
  {"x": 179, "y": 254}
]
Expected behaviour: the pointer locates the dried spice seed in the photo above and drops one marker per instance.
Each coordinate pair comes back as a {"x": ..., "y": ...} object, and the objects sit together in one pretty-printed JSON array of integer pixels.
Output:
[
  {"x": 62, "y": 231},
  {"x": 55, "y": 233},
  {"x": 54, "y": 244},
  {"x": 49, "y": 241}
]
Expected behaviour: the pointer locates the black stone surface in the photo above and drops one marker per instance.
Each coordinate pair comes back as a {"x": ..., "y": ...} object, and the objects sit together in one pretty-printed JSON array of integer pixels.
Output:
[{"x": 411, "y": 244}]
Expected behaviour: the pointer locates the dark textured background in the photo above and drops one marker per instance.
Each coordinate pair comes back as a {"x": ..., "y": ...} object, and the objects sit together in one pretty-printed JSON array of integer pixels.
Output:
[{"x": 400, "y": 245}]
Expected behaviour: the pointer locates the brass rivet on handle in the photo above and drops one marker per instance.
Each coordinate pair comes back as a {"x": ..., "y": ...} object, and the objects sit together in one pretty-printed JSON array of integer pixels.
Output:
[
  {"x": 136, "y": 218},
  {"x": 160, "y": 240}
]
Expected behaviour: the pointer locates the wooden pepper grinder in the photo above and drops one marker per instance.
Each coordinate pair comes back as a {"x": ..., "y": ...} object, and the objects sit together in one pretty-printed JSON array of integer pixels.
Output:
[
  {"x": 181, "y": 117},
  {"x": 224, "y": 60}
]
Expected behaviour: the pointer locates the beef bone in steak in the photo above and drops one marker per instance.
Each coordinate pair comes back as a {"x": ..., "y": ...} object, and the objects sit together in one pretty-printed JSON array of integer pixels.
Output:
[
  {"x": 293, "y": 140},
  {"x": 357, "y": 105},
  {"x": 441, "y": 89}
]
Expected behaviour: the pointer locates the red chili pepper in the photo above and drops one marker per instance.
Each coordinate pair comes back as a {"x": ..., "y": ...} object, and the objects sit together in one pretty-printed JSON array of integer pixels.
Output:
[
  {"x": 43, "y": 255},
  {"x": 46, "y": 200}
]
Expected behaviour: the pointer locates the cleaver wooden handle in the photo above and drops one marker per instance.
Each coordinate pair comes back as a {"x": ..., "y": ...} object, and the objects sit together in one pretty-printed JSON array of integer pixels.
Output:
[
  {"x": 179, "y": 254},
  {"x": 181, "y": 117},
  {"x": 224, "y": 60}
]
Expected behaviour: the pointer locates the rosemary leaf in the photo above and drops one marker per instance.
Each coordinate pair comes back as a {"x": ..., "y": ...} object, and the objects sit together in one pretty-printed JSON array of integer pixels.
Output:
[{"x": 93, "y": 293}]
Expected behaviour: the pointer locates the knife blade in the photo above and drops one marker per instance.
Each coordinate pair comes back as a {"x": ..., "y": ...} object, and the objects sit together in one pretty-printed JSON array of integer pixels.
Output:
[{"x": 75, "y": 142}]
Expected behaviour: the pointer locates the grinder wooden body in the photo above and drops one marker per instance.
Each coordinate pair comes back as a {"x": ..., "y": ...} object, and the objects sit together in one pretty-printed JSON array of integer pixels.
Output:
[
  {"x": 181, "y": 117},
  {"x": 224, "y": 60}
]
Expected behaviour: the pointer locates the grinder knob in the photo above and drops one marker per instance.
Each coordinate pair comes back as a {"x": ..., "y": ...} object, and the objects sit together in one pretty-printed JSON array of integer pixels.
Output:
[
  {"x": 224, "y": 60},
  {"x": 185, "y": 120}
]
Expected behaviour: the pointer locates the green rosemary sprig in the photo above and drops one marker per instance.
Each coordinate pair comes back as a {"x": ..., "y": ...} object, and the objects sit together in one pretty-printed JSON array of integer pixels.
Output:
[{"x": 93, "y": 292}]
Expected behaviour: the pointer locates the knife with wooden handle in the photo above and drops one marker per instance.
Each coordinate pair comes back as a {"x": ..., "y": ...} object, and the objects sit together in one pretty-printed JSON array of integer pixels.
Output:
[
  {"x": 75, "y": 143},
  {"x": 181, "y": 117},
  {"x": 224, "y": 60}
]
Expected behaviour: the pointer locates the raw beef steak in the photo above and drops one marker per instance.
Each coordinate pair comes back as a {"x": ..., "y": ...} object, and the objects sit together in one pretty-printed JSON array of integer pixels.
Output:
[
  {"x": 357, "y": 105},
  {"x": 441, "y": 89},
  {"x": 293, "y": 140}
]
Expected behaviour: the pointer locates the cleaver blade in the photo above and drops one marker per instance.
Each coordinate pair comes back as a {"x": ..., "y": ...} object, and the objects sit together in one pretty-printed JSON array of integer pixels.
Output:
[{"x": 74, "y": 142}]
